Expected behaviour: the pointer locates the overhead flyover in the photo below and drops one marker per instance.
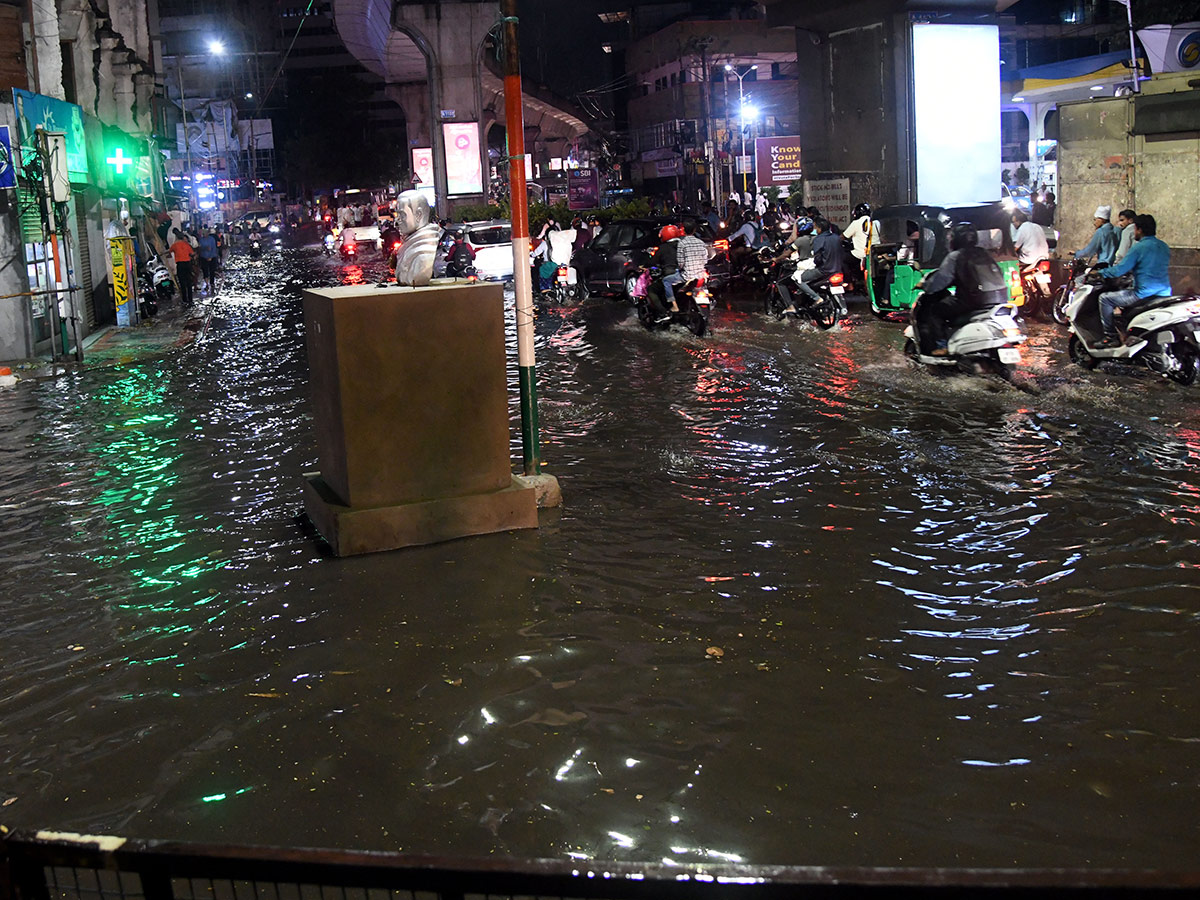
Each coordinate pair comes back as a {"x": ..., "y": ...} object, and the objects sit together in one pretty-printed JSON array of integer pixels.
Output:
[{"x": 433, "y": 58}]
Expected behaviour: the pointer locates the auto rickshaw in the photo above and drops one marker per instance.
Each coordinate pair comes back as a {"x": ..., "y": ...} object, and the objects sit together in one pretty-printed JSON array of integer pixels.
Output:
[{"x": 911, "y": 241}]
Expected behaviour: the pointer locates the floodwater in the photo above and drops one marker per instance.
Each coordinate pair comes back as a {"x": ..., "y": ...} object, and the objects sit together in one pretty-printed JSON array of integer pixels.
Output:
[{"x": 804, "y": 604}]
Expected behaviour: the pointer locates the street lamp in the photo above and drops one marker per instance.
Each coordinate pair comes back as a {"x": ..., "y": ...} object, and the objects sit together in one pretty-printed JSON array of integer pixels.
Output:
[{"x": 742, "y": 108}]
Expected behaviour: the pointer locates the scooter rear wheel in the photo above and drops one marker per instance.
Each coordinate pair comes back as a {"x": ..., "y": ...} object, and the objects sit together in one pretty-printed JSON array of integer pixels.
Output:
[
  {"x": 1185, "y": 355},
  {"x": 1079, "y": 354}
]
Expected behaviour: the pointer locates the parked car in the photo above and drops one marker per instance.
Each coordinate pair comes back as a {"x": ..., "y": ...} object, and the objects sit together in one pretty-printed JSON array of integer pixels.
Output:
[
  {"x": 492, "y": 242},
  {"x": 605, "y": 264}
]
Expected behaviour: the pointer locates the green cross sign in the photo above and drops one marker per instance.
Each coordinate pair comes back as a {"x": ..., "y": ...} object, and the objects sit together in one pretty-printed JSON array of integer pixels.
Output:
[{"x": 119, "y": 161}]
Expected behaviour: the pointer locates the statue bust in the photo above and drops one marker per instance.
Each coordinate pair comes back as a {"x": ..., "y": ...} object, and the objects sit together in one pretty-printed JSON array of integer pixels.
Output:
[{"x": 414, "y": 259}]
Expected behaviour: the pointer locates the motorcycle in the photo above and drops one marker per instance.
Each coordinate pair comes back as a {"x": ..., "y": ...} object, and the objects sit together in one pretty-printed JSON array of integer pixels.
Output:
[
  {"x": 255, "y": 248},
  {"x": 1062, "y": 297},
  {"x": 693, "y": 299},
  {"x": 567, "y": 288},
  {"x": 349, "y": 250},
  {"x": 824, "y": 313},
  {"x": 982, "y": 342},
  {"x": 329, "y": 242},
  {"x": 1035, "y": 284},
  {"x": 1161, "y": 333}
]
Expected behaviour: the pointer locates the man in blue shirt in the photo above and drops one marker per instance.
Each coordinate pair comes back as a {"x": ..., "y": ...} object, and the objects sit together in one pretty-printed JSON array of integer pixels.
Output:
[
  {"x": 826, "y": 255},
  {"x": 1103, "y": 244},
  {"x": 1147, "y": 260}
]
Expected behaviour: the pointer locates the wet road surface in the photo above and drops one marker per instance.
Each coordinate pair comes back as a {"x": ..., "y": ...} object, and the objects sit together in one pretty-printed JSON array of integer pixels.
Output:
[{"x": 804, "y": 604}]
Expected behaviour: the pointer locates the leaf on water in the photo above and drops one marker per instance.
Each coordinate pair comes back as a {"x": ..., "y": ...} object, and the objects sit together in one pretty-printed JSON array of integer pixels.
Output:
[
  {"x": 269, "y": 695},
  {"x": 554, "y": 717},
  {"x": 456, "y": 682},
  {"x": 715, "y": 652},
  {"x": 9, "y": 802},
  {"x": 559, "y": 685}
]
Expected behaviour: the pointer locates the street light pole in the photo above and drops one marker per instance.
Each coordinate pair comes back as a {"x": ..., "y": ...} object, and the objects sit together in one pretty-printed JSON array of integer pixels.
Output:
[{"x": 741, "y": 117}]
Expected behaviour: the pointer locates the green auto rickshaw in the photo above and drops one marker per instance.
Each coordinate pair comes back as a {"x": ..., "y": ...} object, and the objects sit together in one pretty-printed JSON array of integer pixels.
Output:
[{"x": 909, "y": 242}]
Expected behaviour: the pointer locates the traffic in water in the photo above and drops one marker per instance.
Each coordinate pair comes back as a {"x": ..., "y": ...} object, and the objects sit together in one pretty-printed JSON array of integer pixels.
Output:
[{"x": 805, "y": 603}]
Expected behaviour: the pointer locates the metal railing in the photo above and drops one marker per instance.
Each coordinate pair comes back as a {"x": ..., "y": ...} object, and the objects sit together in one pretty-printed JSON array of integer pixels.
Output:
[{"x": 55, "y": 866}]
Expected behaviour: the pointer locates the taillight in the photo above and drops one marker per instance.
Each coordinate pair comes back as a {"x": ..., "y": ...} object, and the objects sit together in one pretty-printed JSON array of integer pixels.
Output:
[
  {"x": 721, "y": 244},
  {"x": 836, "y": 278},
  {"x": 1044, "y": 265}
]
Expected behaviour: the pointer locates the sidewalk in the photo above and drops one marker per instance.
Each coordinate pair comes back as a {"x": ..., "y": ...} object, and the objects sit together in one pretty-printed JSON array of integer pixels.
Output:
[{"x": 112, "y": 345}]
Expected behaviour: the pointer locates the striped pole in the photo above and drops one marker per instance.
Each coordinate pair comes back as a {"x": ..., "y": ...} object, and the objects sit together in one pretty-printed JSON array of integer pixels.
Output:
[{"x": 515, "y": 126}]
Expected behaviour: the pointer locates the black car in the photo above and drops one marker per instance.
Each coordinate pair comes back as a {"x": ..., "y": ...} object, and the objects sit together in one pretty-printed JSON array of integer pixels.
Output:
[{"x": 604, "y": 264}]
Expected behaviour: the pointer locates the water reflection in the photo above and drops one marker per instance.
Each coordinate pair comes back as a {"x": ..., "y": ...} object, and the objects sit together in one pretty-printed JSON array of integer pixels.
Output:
[{"x": 805, "y": 604}]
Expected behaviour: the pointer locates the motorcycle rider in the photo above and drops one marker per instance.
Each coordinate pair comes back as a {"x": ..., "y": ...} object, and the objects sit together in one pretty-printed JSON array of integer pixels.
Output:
[
  {"x": 666, "y": 259},
  {"x": 977, "y": 281},
  {"x": 692, "y": 255},
  {"x": 827, "y": 257},
  {"x": 800, "y": 243},
  {"x": 1103, "y": 244},
  {"x": 1029, "y": 240},
  {"x": 1147, "y": 261}
]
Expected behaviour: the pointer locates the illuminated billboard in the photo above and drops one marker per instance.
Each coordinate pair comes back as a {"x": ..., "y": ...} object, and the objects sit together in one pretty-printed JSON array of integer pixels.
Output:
[
  {"x": 778, "y": 161},
  {"x": 956, "y": 112},
  {"x": 464, "y": 171},
  {"x": 422, "y": 166}
]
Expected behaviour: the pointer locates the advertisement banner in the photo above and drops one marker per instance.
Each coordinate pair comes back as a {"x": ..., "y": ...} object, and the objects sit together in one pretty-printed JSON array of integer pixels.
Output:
[
  {"x": 832, "y": 197},
  {"x": 53, "y": 115},
  {"x": 464, "y": 171},
  {"x": 583, "y": 189},
  {"x": 121, "y": 252},
  {"x": 778, "y": 160},
  {"x": 422, "y": 167},
  {"x": 8, "y": 172}
]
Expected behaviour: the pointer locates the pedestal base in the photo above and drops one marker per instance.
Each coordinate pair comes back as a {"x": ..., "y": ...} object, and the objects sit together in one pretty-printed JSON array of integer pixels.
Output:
[{"x": 351, "y": 531}]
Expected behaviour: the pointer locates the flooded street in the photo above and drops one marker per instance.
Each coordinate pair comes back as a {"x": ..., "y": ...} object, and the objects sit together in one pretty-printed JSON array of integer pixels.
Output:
[{"x": 803, "y": 604}]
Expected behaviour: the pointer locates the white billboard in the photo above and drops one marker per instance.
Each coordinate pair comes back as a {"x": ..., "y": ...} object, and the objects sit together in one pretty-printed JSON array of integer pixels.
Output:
[{"x": 956, "y": 111}]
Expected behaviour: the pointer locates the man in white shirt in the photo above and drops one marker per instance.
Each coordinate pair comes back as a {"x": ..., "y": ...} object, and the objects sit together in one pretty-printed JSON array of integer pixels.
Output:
[
  {"x": 860, "y": 232},
  {"x": 1029, "y": 240},
  {"x": 561, "y": 243}
]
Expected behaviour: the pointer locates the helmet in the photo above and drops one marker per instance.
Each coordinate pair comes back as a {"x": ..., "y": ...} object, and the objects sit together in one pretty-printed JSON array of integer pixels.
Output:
[
  {"x": 804, "y": 225},
  {"x": 863, "y": 209},
  {"x": 668, "y": 232},
  {"x": 963, "y": 235}
]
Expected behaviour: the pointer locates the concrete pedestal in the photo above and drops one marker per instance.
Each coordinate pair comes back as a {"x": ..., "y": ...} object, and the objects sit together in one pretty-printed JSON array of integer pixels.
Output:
[{"x": 410, "y": 402}]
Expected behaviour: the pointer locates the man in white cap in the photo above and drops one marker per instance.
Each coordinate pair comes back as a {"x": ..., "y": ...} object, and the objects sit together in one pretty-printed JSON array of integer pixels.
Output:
[{"x": 1103, "y": 244}]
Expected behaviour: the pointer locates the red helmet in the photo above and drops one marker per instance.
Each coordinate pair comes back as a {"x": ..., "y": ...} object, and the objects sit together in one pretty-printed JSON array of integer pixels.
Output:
[{"x": 668, "y": 233}]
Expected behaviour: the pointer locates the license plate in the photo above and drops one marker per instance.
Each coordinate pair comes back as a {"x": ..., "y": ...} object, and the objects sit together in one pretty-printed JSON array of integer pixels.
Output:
[
  {"x": 836, "y": 289},
  {"x": 1043, "y": 279},
  {"x": 1010, "y": 355},
  {"x": 703, "y": 301}
]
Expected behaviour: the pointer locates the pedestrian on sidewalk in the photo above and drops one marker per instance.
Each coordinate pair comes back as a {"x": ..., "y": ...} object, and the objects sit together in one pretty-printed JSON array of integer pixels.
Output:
[
  {"x": 208, "y": 260},
  {"x": 182, "y": 250}
]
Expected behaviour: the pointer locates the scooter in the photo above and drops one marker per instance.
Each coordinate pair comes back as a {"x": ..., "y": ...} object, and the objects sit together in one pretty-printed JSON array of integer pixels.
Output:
[
  {"x": 983, "y": 342},
  {"x": 1161, "y": 333},
  {"x": 329, "y": 242},
  {"x": 349, "y": 250},
  {"x": 824, "y": 313},
  {"x": 158, "y": 277}
]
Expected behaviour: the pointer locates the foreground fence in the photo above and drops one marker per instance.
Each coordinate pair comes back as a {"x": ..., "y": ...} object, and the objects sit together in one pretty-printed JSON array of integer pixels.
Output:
[{"x": 55, "y": 866}]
